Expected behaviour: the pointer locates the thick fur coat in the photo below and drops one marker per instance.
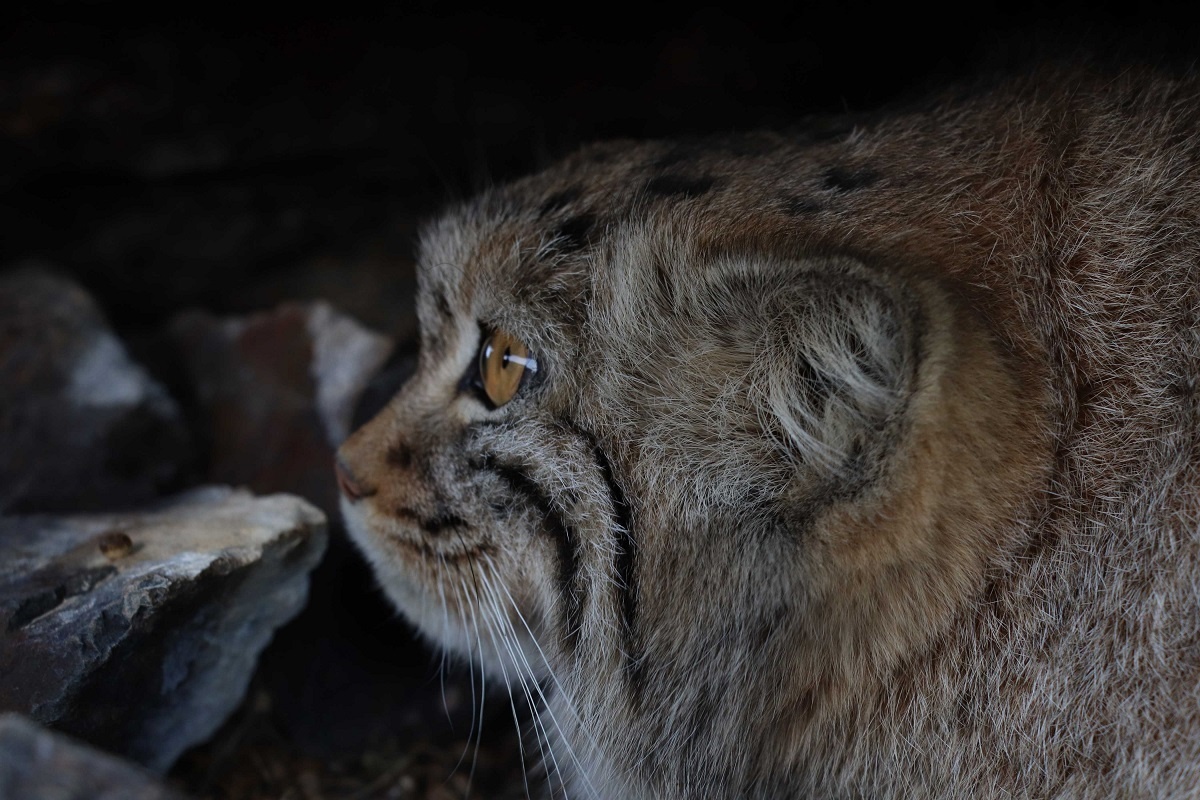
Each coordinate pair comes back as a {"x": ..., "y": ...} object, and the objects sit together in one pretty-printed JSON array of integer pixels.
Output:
[{"x": 858, "y": 461}]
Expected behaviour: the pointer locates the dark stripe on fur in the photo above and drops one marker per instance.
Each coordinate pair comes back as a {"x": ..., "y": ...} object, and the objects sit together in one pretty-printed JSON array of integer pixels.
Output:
[
  {"x": 566, "y": 540},
  {"x": 625, "y": 560},
  {"x": 435, "y": 525},
  {"x": 442, "y": 304},
  {"x": 400, "y": 456},
  {"x": 841, "y": 180},
  {"x": 666, "y": 289},
  {"x": 572, "y": 235},
  {"x": 801, "y": 206}
]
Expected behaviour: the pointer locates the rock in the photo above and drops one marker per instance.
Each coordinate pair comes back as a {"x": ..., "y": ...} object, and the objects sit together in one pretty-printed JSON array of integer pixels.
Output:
[
  {"x": 36, "y": 763},
  {"x": 276, "y": 393},
  {"x": 139, "y": 632},
  {"x": 82, "y": 427}
]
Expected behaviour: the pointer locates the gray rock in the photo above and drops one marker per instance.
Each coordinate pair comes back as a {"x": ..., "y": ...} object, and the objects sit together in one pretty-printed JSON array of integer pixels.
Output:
[
  {"x": 36, "y": 763},
  {"x": 139, "y": 632},
  {"x": 82, "y": 427}
]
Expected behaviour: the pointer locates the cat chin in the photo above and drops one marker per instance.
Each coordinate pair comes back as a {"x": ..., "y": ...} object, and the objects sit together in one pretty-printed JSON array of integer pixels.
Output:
[
  {"x": 511, "y": 660},
  {"x": 406, "y": 594},
  {"x": 507, "y": 653}
]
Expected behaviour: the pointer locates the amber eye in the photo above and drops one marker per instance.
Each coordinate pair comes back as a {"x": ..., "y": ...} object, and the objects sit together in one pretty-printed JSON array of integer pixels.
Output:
[{"x": 503, "y": 359}]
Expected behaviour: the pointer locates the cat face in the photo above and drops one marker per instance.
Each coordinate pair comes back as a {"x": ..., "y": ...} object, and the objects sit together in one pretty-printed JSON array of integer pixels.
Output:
[{"x": 694, "y": 485}]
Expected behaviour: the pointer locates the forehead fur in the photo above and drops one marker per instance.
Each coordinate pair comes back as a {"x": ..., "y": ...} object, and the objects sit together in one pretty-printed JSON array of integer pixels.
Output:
[{"x": 538, "y": 240}]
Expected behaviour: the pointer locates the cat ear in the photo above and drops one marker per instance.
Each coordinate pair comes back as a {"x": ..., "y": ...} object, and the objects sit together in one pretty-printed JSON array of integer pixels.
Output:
[{"x": 835, "y": 370}]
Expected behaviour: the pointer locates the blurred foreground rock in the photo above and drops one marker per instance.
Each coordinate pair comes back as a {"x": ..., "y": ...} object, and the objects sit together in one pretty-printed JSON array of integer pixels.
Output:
[
  {"x": 82, "y": 427},
  {"x": 36, "y": 763},
  {"x": 139, "y": 632},
  {"x": 276, "y": 392}
]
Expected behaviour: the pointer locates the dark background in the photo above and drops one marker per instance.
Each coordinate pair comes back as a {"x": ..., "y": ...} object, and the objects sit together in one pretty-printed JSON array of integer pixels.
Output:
[{"x": 235, "y": 156}]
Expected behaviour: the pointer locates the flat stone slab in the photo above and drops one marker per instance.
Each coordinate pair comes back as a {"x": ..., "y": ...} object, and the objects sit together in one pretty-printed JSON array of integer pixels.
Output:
[
  {"x": 37, "y": 763},
  {"x": 139, "y": 632}
]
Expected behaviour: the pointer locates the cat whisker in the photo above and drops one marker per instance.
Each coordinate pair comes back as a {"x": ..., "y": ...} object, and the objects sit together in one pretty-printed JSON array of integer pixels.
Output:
[
  {"x": 493, "y": 631},
  {"x": 477, "y": 709},
  {"x": 524, "y": 674},
  {"x": 549, "y": 669},
  {"x": 562, "y": 693},
  {"x": 478, "y": 729},
  {"x": 464, "y": 605},
  {"x": 443, "y": 652}
]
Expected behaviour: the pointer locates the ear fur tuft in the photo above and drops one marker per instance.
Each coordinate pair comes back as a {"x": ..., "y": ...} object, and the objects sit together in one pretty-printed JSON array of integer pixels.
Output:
[{"x": 839, "y": 360}]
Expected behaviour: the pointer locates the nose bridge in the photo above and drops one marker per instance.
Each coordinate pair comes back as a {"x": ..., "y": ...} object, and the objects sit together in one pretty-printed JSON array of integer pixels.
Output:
[
  {"x": 420, "y": 411},
  {"x": 414, "y": 420}
]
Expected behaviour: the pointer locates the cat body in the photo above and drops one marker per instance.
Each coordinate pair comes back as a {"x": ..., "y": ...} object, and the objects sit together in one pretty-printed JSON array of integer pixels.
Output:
[{"x": 860, "y": 461}]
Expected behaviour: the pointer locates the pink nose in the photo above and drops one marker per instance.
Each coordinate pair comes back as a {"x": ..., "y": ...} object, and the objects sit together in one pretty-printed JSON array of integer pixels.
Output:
[{"x": 346, "y": 482}]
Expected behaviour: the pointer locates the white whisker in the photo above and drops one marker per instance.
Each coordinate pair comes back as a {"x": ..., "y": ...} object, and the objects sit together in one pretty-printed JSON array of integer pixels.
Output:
[
  {"x": 492, "y": 633},
  {"x": 581, "y": 770},
  {"x": 445, "y": 627},
  {"x": 521, "y": 665},
  {"x": 473, "y": 604}
]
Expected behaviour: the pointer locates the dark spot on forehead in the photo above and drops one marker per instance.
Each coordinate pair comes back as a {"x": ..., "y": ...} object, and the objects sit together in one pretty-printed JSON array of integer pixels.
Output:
[
  {"x": 572, "y": 234},
  {"x": 801, "y": 206},
  {"x": 680, "y": 185},
  {"x": 559, "y": 200},
  {"x": 840, "y": 179}
]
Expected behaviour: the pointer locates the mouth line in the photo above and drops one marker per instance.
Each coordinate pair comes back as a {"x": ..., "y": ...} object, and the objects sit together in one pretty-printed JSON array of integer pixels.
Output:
[
  {"x": 448, "y": 554},
  {"x": 433, "y": 526}
]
